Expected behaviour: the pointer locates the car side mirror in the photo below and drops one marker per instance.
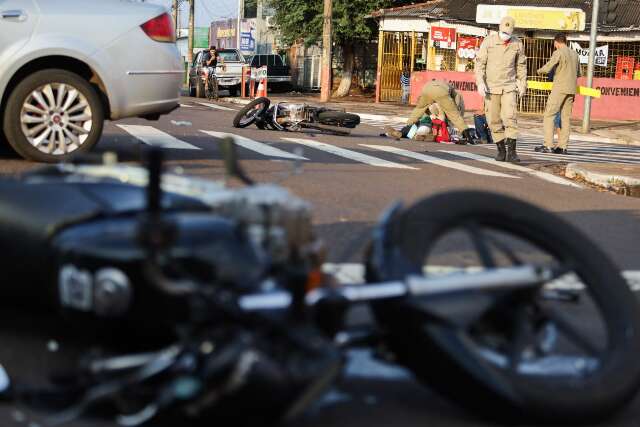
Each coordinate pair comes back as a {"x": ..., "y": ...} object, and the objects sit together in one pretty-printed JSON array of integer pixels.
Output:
[{"x": 231, "y": 162}]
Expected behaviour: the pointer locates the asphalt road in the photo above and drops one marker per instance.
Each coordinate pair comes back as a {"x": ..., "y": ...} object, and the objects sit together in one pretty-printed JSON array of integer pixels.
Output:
[{"x": 349, "y": 191}]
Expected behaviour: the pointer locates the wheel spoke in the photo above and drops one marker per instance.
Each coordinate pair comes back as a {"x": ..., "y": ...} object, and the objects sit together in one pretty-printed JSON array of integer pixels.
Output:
[
  {"x": 72, "y": 136},
  {"x": 37, "y": 95},
  {"x": 62, "y": 141},
  {"x": 79, "y": 130},
  {"x": 32, "y": 119},
  {"x": 33, "y": 109},
  {"x": 39, "y": 140},
  {"x": 36, "y": 129},
  {"x": 521, "y": 336},
  {"x": 73, "y": 94},
  {"x": 80, "y": 106},
  {"x": 480, "y": 243},
  {"x": 570, "y": 332},
  {"x": 52, "y": 142},
  {"x": 81, "y": 118},
  {"x": 506, "y": 250},
  {"x": 62, "y": 91},
  {"x": 48, "y": 93}
]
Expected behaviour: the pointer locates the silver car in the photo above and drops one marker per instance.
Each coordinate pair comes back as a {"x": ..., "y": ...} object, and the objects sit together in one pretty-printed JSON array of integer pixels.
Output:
[{"x": 68, "y": 65}]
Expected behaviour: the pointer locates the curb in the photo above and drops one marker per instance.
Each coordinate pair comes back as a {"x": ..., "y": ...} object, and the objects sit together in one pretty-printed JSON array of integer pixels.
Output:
[{"x": 610, "y": 181}]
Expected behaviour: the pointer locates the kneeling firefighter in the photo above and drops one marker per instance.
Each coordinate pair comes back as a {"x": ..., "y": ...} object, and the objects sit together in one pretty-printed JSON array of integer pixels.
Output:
[{"x": 449, "y": 101}]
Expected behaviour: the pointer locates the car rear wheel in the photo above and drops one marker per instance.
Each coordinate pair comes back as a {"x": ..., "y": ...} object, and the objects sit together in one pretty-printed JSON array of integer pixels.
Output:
[
  {"x": 200, "y": 89},
  {"x": 53, "y": 115}
]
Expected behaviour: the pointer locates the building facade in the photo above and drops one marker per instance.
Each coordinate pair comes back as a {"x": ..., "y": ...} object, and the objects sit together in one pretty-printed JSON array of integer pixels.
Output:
[{"x": 440, "y": 39}]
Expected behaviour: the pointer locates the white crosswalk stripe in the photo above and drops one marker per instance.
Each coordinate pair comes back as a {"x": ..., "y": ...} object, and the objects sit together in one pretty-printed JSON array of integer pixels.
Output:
[
  {"x": 216, "y": 106},
  {"x": 349, "y": 154},
  {"x": 581, "y": 151},
  {"x": 437, "y": 161},
  {"x": 152, "y": 136},
  {"x": 258, "y": 147},
  {"x": 542, "y": 175},
  {"x": 186, "y": 106}
]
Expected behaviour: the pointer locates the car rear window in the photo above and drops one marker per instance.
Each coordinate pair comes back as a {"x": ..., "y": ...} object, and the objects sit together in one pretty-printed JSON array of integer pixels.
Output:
[{"x": 229, "y": 56}]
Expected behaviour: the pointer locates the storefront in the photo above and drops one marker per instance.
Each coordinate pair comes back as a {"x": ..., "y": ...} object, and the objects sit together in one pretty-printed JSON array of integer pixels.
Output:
[{"x": 413, "y": 39}]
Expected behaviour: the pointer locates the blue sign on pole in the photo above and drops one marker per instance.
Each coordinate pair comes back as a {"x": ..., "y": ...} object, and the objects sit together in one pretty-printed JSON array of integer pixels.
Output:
[{"x": 248, "y": 35}]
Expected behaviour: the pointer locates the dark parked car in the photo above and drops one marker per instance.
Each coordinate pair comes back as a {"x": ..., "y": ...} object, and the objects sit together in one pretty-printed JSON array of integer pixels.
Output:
[{"x": 279, "y": 73}]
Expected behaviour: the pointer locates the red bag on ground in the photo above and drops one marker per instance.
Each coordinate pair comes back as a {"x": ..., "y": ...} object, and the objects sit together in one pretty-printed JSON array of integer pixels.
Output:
[{"x": 440, "y": 131}]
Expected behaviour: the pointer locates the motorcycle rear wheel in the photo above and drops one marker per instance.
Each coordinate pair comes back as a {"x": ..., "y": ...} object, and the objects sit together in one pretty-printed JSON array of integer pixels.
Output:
[
  {"x": 455, "y": 361},
  {"x": 250, "y": 112},
  {"x": 338, "y": 118}
]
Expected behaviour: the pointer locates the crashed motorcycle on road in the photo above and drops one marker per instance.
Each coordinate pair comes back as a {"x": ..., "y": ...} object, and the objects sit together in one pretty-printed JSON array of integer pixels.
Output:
[
  {"x": 288, "y": 116},
  {"x": 192, "y": 299}
]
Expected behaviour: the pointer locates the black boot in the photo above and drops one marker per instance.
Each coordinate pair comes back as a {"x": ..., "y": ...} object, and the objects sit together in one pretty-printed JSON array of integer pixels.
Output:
[
  {"x": 502, "y": 153},
  {"x": 512, "y": 156}
]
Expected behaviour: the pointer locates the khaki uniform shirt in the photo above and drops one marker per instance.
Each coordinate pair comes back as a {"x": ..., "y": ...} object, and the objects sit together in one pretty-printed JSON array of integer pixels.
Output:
[
  {"x": 565, "y": 80},
  {"x": 502, "y": 66}
]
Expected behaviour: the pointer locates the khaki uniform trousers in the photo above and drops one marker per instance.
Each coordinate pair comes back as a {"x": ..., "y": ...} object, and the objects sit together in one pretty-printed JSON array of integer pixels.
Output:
[
  {"x": 502, "y": 115},
  {"x": 563, "y": 103},
  {"x": 439, "y": 94}
]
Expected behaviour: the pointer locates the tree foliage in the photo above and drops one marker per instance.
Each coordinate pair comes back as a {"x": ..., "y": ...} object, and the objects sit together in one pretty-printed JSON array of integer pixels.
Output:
[{"x": 302, "y": 20}]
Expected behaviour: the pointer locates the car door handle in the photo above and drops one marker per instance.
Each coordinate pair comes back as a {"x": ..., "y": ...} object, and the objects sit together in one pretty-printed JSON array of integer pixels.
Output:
[{"x": 18, "y": 15}]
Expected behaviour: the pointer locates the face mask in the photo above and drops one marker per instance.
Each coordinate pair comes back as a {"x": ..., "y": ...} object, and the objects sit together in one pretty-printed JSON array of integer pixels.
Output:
[{"x": 504, "y": 36}]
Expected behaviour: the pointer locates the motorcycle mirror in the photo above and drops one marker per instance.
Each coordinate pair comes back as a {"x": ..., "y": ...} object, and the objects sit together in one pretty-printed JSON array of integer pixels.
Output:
[{"x": 231, "y": 163}]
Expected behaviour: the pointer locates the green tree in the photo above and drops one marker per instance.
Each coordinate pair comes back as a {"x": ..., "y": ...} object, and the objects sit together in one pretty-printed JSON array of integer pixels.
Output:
[{"x": 302, "y": 20}]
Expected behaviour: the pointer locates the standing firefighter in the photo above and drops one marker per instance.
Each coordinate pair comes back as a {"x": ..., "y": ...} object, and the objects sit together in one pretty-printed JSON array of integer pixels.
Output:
[
  {"x": 565, "y": 82},
  {"x": 501, "y": 74},
  {"x": 449, "y": 101}
]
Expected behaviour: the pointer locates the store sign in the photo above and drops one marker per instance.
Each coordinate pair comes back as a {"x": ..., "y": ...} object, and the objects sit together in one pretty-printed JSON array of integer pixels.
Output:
[
  {"x": 248, "y": 35},
  {"x": 226, "y": 33},
  {"x": 468, "y": 47},
  {"x": 544, "y": 18},
  {"x": 602, "y": 54},
  {"x": 443, "y": 37}
]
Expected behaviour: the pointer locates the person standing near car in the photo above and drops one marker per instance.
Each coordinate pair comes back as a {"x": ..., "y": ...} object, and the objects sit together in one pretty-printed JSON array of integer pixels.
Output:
[
  {"x": 501, "y": 75},
  {"x": 211, "y": 59},
  {"x": 565, "y": 66}
]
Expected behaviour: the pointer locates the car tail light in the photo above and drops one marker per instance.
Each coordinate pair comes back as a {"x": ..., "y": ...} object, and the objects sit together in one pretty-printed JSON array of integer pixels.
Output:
[{"x": 160, "y": 29}]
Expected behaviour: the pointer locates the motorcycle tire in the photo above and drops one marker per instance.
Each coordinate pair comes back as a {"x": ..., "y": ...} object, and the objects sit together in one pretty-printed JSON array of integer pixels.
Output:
[
  {"x": 260, "y": 105},
  {"x": 337, "y": 118},
  {"x": 200, "y": 88},
  {"x": 443, "y": 360},
  {"x": 329, "y": 129}
]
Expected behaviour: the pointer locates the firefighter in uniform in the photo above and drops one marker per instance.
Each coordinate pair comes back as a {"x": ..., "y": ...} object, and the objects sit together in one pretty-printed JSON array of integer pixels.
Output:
[
  {"x": 501, "y": 75},
  {"x": 565, "y": 83},
  {"x": 449, "y": 101}
]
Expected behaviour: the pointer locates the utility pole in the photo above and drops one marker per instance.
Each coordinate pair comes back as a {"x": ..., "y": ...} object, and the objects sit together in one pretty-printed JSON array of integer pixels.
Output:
[
  {"x": 192, "y": 13},
  {"x": 586, "y": 119},
  {"x": 325, "y": 93}
]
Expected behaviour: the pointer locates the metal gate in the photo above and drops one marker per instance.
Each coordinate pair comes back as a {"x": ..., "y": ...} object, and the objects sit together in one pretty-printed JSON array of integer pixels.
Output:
[{"x": 396, "y": 51}]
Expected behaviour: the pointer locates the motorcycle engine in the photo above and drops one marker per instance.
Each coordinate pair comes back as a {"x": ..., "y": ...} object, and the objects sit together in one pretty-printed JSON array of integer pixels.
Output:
[{"x": 277, "y": 221}]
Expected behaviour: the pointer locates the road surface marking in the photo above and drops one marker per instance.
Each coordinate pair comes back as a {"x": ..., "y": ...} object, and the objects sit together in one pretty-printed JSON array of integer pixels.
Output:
[
  {"x": 353, "y": 274},
  {"x": 215, "y": 106},
  {"x": 186, "y": 106},
  {"x": 348, "y": 154},
  {"x": 437, "y": 161},
  {"x": 258, "y": 147},
  {"x": 542, "y": 175},
  {"x": 152, "y": 136}
]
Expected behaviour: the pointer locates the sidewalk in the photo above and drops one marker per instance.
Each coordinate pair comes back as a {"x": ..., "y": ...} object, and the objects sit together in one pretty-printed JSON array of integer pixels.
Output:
[{"x": 623, "y": 133}]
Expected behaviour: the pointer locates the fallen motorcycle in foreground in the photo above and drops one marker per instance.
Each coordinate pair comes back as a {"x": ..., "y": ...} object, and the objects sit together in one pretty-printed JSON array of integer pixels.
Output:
[
  {"x": 194, "y": 300},
  {"x": 287, "y": 116}
]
